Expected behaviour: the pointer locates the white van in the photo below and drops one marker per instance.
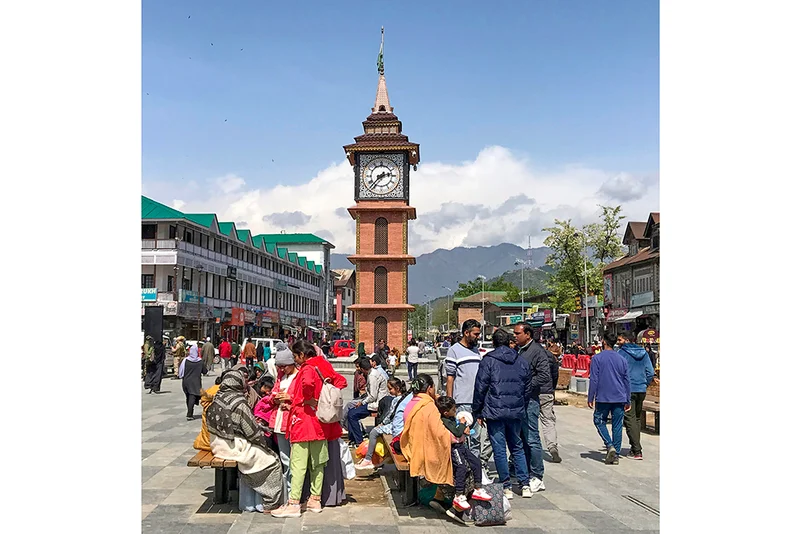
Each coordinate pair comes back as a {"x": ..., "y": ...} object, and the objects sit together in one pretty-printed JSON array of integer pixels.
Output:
[{"x": 267, "y": 342}]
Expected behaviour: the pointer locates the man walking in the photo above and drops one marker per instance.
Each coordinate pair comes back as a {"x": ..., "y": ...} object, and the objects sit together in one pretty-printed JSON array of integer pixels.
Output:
[
  {"x": 412, "y": 355},
  {"x": 609, "y": 392},
  {"x": 249, "y": 352},
  {"x": 207, "y": 352},
  {"x": 178, "y": 355},
  {"x": 235, "y": 350},
  {"x": 461, "y": 366},
  {"x": 641, "y": 372},
  {"x": 541, "y": 382},
  {"x": 225, "y": 354}
]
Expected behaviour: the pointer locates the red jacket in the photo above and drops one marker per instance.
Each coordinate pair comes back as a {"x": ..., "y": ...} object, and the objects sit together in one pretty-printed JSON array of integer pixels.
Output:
[
  {"x": 332, "y": 431},
  {"x": 225, "y": 350},
  {"x": 303, "y": 422}
]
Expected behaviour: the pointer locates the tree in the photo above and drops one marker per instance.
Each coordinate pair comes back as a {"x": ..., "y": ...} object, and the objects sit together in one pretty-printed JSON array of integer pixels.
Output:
[
  {"x": 569, "y": 263},
  {"x": 469, "y": 288},
  {"x": 604, "y": 238}
]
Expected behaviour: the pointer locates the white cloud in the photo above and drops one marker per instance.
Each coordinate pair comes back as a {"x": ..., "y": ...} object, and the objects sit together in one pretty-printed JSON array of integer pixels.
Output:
[
  {"x": 498, "y": 197},
  {"x": 178, "y": 204}
]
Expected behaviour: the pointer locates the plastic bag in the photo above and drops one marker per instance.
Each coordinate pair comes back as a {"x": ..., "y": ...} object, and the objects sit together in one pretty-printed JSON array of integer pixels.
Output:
[{"x": 348, "y": 467}]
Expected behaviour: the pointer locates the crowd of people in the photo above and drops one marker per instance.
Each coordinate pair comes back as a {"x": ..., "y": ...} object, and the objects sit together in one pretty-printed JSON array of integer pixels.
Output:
[{"x": 266, "y": 413}]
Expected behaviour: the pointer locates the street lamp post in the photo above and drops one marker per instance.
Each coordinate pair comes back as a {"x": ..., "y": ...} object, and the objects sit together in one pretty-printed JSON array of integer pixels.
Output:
[
  {"x": 449, "y": 306},
  {"x": 586, "y": 292},
  {"x": 483, "y": 279}
]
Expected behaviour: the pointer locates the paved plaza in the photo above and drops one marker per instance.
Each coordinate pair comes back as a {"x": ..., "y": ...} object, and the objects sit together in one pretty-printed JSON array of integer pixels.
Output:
[{"x": 582, "y": 493}]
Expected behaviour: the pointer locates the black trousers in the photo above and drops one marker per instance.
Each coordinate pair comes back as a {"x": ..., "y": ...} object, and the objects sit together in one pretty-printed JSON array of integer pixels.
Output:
[
  {"x": 462, "y": 457},
  {"x": 632, "y": 421},
  {"x": 191, "y": 402},
  {"x": 249, "y": 362}
]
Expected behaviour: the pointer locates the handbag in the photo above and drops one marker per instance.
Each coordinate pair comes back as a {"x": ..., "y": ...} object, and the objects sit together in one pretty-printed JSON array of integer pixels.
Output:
[{"x": 487, "y": 513}]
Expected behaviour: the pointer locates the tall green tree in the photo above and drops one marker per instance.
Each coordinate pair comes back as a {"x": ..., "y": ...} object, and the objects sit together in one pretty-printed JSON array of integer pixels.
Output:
[
  {"x": 604, "y": 237},
  {"x": 567, "y": 259}
]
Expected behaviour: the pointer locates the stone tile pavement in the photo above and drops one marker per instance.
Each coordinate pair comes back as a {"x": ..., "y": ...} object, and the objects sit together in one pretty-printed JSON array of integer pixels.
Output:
[{"x": 582, "y": 493}]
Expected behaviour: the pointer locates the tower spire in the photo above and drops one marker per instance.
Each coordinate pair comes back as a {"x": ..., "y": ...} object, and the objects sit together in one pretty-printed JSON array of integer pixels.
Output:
[{"x": 381, "y": 95}]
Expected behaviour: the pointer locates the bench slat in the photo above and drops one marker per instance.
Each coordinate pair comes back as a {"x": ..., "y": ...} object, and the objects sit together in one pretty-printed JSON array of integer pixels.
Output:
[
  {"x": 401, "y": 464},
  {"x": 195, "y": 460},
  {"x": 217, "y": 462},
  {"x": 206, "y": 460},
  {"x": 230, "y": 463}
]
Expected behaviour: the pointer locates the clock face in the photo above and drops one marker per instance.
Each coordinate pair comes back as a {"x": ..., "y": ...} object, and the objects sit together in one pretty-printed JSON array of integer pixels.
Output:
[{"x": 381, "y": 176}]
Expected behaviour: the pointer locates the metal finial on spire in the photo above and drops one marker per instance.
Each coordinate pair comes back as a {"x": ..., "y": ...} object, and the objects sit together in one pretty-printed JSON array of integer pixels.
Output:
[{"x": 380, "y": 61}]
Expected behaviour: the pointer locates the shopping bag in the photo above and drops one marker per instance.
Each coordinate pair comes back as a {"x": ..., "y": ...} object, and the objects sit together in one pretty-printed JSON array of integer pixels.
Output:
[{"x": 348, "y": 467}]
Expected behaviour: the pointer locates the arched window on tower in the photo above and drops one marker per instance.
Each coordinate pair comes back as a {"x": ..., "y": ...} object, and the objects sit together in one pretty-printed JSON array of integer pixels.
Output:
[
  {"x": 380, "y": 285},
  {"x": 381, "y": 236},
  {"x": 379, "y": 329}
]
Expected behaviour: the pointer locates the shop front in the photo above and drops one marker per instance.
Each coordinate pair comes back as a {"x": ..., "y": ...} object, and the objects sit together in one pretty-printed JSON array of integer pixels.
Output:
[
  {"x": 268, "y": 322},
  {"x": 193, "y": 319},
  {"x": 233, "y": 324}
]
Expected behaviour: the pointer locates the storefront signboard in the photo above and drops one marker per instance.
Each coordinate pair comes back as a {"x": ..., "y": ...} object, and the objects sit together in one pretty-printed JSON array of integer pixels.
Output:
[
  {"x": 250, "y": 317},
  {"x": 641, "y": 299},
  {"x": 149, "y": 294},
  {"x": 237, "y": 317},
  {"x": 616, "y": 313}
]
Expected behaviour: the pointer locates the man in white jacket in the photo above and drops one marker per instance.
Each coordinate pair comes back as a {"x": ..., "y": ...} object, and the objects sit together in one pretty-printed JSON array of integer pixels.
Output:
[{"x": 376, "y": 390}]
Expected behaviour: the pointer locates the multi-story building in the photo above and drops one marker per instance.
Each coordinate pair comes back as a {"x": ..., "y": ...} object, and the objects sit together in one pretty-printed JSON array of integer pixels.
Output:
[
  {"x": 215, "y": 280},
  {"x": 345, "y": 286},
  {"x": 631, "y": 283}
]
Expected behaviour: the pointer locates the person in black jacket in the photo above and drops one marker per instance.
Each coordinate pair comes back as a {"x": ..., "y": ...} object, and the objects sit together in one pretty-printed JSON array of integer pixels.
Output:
[
  {"x": 541, "y": 382},
  {"x": 502, "y": 389}
]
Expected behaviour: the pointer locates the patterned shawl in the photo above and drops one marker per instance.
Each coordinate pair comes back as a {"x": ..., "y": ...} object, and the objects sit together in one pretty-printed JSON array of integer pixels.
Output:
[{"x": 229, "y": 415}]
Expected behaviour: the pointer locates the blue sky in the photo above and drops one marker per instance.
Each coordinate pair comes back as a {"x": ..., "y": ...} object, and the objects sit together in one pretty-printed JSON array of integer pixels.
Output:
[{"x": 286, "y": 84}]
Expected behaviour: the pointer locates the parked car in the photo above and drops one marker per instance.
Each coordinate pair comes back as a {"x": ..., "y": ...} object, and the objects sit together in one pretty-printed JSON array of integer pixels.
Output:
[
  {"x": 342, "y": 348},
  {"x": 484, "y": 347}
]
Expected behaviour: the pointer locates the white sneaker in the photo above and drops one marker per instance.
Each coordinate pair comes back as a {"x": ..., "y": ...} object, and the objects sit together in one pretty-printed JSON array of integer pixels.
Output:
[
  {"x": 536, "y": 485},
  {"x": 507, "y": 492},
  {"x": 526, "y": 492}
]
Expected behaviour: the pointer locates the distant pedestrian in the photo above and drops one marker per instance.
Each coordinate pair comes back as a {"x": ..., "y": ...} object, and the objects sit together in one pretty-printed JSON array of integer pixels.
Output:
[
  {"x": 641, "y": 372},
  {"x": 461, "y": 366},
  {"x": 503, "y": 385},
  {"x": 208, "y": 354},
  {"x": 235, "y": 351},
  {"x": 178, "y": 355},
  {"x": 609, "y": 392},
  {"x": 249, "y": 352},
  {"x": 422, "y": 346},
  {"x": 225, "y": 354},
  {"x": 260, "y": 352},
  {"x": 392, "y": 361},
  {"x": 412, "y": 355},
  {"x": 155, "y": 368},
  {"x": 268, "y": 352},
  {"x": 189, "y": 372}
]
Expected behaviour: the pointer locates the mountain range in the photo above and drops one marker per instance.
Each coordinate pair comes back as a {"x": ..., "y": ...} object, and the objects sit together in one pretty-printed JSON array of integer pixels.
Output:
[{"x": 449, "y": 267}]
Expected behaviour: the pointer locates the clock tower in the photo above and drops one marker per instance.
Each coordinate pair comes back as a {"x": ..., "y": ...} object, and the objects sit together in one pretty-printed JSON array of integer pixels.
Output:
[{"x": 382, "y": 158}]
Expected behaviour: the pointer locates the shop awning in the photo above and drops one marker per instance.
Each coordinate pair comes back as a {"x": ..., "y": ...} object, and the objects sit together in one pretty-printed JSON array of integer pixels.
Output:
[
  {"x": 547, "y": 326},
  {"x": 630, "y": 316},
  {"x": 313, "y": 329}
]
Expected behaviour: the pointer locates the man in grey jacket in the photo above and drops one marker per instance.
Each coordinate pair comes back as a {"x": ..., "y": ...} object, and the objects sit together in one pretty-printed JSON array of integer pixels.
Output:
[
  {"x": 538, "y": 359},
  {"x": 376, "y": 390}
]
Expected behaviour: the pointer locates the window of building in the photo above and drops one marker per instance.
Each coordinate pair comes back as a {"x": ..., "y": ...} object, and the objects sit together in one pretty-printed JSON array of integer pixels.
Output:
[
  {"x": 380, "y": 285},
  {"x": 170, "y": 283},
  {"x": 149, "y": 231},
  {"x": 173, "y": 231},
  {"x": 148, "y": 280},
  {"x": 643, "y": 280},
  {"x": 381, "y": 235},
  {"x": 379, "y": 328},
  {"x": 655, "y": 239},
  {"x": 186, "y": 284},
  {"x": 188, "y": 236}
]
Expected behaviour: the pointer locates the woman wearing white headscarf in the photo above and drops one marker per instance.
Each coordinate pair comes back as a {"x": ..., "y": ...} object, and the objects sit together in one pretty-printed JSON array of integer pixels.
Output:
[{"x": 189, "y": 371}]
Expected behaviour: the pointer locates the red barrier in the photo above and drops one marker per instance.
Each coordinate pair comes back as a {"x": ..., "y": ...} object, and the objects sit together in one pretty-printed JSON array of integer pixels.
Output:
[{"x": 582, "y": 367}]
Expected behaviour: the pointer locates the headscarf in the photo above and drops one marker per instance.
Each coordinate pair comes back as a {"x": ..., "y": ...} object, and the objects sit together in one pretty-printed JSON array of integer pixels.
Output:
[
  {"x": 229, "y": 415},
  {"x": 193, "y": 357},
  {"x": 259, "y": 365}
]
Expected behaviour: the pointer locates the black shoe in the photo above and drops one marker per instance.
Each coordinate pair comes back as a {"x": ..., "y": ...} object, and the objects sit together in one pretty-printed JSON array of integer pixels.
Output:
[
  {"x": 611, "y": 457},
  {"x": 555, "y": 458},
  {"x": 190, "y": 418},
  {"x": 149, "y": 391},
  {"x": 455, "y": 515}
]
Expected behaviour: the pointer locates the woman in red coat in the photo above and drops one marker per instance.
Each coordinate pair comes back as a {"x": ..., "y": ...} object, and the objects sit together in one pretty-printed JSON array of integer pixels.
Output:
[
  {"x": 333, "y": 493},
  {"x": 309, "y": 447}
]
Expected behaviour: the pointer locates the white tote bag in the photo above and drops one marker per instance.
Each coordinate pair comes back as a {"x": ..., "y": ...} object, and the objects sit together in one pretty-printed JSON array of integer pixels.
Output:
[{"x": 348, "y": 469}]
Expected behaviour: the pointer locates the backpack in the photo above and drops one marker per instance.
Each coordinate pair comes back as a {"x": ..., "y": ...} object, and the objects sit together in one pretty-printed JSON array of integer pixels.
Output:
[{"x": 329, "y": 405}]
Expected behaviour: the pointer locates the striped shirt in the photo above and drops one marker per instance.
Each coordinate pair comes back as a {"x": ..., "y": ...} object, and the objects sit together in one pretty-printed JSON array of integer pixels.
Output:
[{"x": 462, "y": 363}]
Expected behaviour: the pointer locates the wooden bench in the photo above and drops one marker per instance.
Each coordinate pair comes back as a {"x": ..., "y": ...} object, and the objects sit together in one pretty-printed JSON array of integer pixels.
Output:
[
  {"x": 225, "y": 474},
  {"x": 406, "y": 483},
  {"x": 651, "y": 405}
]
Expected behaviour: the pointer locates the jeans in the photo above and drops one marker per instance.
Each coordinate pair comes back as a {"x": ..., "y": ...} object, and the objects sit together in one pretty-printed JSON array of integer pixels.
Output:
[
  {"x": 375, "y": 433},
  {"x": 503, "y": 433},
  {"x": 412, "y": 369},
  {"x": 462, "y": 459},
  {"x": 548, "y": 421},
  {"x": 479, "y": 444},
  {"x": 350, "y": 405},
  {"x": 602, "y": 410},
  {"x": 284, "y": 452},
  {"x": 355, "y": 416},
  {"x": 532, "y": 448},
  {"x": 632, "y": 420}
]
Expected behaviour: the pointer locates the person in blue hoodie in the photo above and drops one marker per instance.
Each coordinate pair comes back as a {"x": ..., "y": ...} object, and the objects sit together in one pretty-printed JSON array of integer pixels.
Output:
[
  {"x": 641, "y": 372},
  {"x": 504, "y": 384},
  {"x": 609, "y": 392}
]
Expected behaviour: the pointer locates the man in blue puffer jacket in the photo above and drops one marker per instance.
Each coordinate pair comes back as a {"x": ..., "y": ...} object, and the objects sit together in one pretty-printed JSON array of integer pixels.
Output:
[
  {"x": 502, "y": 390},
  {"x": 641, "y": 372}
]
